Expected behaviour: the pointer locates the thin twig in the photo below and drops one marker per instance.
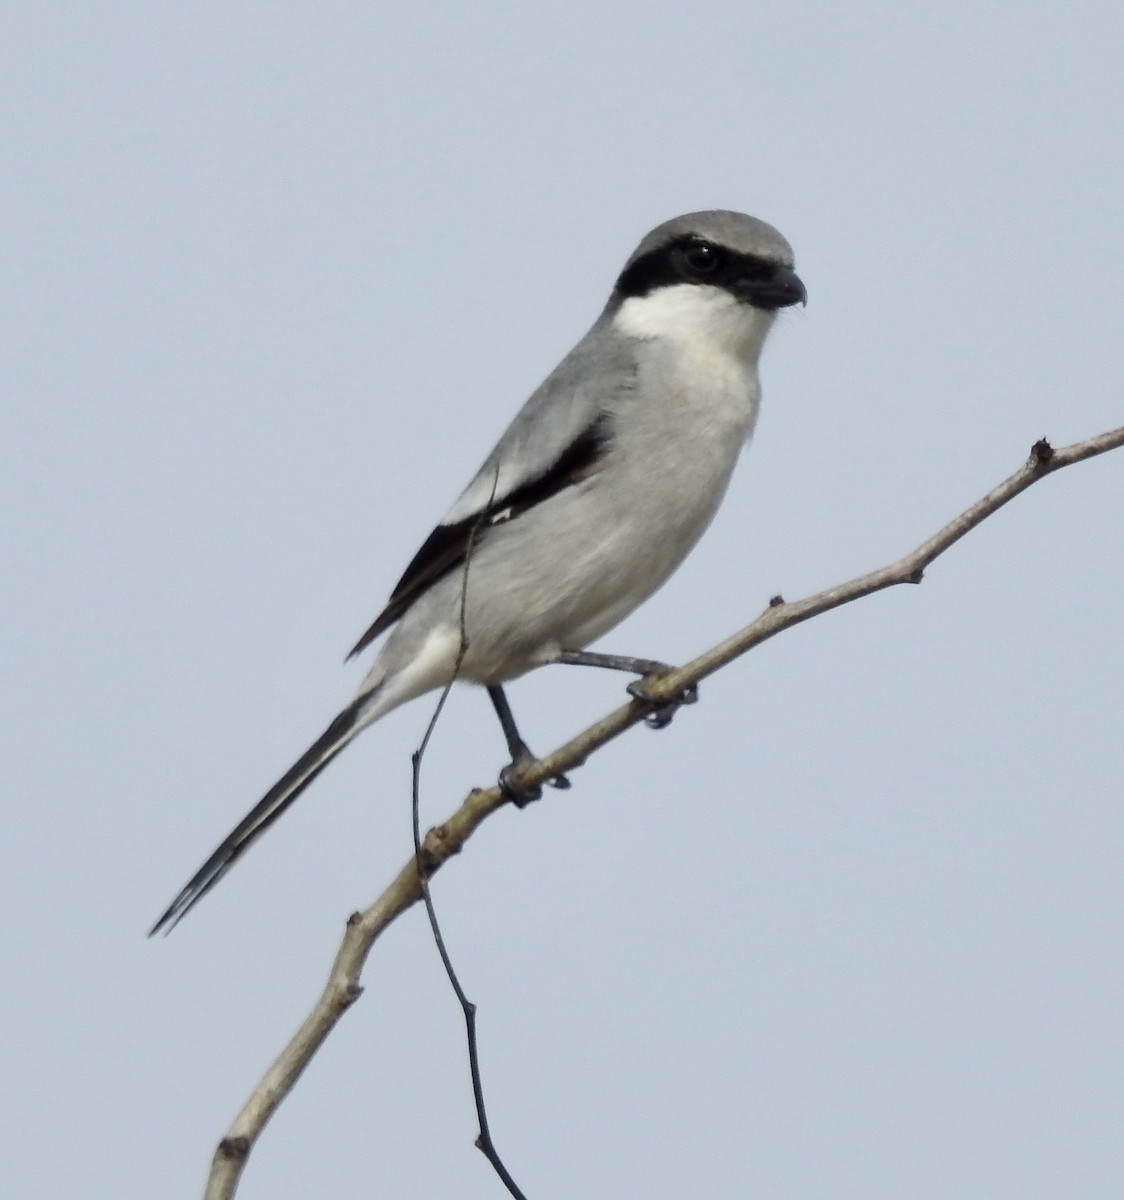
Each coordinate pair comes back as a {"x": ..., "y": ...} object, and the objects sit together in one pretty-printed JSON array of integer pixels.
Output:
[
  {"x": 447, "y": 839},
  {"x": 484, "y": 1141}
]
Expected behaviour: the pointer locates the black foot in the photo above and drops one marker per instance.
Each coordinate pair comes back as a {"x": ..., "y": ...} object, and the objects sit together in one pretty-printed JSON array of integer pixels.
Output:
[
  {"x": 649, "y": 669},
  {"x": 660, "y": 716},
  {"x": 521, "y": 756},
  {"x": 519, "y": 795}
]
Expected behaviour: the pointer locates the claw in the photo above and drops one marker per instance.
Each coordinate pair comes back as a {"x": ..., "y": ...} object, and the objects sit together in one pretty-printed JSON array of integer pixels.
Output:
[
  {"x": 660, "y": 717},
  {"x": 519, "y": 795}
]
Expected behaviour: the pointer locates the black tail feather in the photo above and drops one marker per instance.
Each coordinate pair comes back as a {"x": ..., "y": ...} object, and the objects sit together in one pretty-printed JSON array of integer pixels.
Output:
[{"x": 263, "y": 814}]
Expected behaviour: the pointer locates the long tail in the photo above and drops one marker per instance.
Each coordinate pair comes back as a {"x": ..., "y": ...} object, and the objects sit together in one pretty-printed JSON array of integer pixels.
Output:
[{"x": 356, "y": 717}]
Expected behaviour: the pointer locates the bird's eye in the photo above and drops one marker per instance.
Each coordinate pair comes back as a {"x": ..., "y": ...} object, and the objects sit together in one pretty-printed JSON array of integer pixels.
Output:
[{"x": 702, "y": 258}]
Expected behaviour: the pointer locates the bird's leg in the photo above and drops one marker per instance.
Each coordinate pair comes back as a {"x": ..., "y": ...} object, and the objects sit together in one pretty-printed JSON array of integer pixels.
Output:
[
  {"x": 520, "y": 754},
  {"x": 649, "y": 670}
]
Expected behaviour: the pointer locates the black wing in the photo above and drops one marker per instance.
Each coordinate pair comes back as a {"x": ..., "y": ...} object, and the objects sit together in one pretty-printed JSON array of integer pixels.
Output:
[{"x": 447, "y": 546}]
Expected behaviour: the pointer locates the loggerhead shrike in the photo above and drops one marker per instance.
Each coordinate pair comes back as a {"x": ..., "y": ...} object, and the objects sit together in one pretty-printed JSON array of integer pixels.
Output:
[{"x": 604, "y": 481}]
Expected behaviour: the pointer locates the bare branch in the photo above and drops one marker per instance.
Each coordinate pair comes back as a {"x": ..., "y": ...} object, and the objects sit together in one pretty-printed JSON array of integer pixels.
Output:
[{"x": 447, "y": 839}]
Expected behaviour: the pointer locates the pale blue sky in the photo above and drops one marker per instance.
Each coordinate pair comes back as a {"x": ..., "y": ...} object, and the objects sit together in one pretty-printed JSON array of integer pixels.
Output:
[{"x": 274, "y": 277}]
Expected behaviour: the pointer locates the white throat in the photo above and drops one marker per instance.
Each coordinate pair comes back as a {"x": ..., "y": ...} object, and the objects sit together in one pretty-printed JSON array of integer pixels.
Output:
[{"x": 696, "y": 317}]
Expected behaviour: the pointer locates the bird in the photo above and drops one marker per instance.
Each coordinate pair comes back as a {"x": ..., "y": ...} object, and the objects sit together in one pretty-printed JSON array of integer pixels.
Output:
[{"x": 592, "y": 497}]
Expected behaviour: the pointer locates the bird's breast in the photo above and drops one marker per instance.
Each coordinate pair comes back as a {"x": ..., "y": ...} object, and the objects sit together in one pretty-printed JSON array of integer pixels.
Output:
[{"x": 694, "y": 410}]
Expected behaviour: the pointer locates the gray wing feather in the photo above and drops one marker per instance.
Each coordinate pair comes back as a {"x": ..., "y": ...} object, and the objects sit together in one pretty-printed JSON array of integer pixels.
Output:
[
  {"x": 569, "y": 414},
  {"x": 576, "y": 394},
  {"x": 567, "y": 417}
]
